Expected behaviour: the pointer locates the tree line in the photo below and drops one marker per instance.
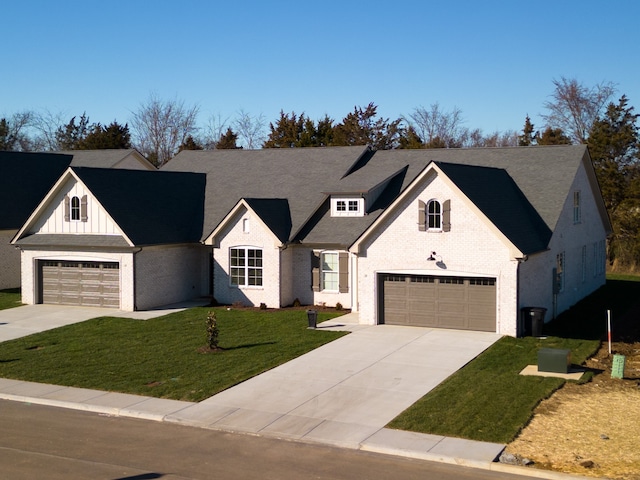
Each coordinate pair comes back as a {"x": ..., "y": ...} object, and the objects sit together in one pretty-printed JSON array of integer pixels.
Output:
[{"x": 575, "y": 114}]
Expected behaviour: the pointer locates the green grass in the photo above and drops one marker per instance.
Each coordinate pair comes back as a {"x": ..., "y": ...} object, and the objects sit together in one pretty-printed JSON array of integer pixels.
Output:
[
  {"x": 10, "y": 298},
  {"x": 488, "y": 400},
  {"x": 160, "y": 357}
]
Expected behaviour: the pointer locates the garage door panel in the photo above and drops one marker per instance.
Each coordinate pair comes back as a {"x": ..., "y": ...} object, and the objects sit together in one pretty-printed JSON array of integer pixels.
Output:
[
  {"x": 445, "y": 302},
  {"x": 95, "y": 284}
]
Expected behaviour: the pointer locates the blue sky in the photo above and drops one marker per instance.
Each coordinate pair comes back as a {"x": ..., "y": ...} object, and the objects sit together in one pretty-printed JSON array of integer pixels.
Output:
[{"x": 494, "y": 60}]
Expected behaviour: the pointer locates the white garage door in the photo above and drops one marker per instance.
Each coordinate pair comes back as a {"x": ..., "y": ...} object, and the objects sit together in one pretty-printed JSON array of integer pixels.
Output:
[
  {"x": 93, "y": 284},
  {"x": 466, "y": 303}
]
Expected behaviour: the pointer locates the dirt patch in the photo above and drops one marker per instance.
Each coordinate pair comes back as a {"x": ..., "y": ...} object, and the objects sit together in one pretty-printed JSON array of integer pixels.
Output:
[{"x": 592, "y": 429}]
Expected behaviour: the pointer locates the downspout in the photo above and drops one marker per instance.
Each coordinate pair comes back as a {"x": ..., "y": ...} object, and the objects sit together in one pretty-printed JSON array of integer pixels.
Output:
[{"x": 135, "y": 279}]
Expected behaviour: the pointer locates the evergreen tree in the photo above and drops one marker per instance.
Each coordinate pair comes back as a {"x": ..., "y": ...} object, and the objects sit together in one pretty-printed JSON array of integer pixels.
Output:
[
  {"x": 614, "y": 145},
  {"x": 190, "y": 144},
  {"x": 113, "y": 136},
  {"x": 71, "y": 135},
  {"x": 361, "y": 127},
  {"x": 228, "y": 141},
  {"x": 552, "y": 136},
  {"x": 528, "y": 136},
  {"x": 410, "y": 139}
]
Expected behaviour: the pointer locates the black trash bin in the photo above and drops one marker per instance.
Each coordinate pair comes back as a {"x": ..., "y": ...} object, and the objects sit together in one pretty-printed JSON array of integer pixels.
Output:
[
  {"x": 533, "y": 320},
  {"x": 312, "y": 316}
]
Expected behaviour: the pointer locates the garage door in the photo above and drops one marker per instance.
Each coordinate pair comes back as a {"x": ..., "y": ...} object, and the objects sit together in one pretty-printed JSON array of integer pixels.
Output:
[
  {"x": 466, "y": 303},
  {"x": 93, "y": 284}
]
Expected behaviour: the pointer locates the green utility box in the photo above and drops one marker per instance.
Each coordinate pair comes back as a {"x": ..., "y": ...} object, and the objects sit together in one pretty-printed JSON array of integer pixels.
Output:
[{"x": 556, "y": 360}]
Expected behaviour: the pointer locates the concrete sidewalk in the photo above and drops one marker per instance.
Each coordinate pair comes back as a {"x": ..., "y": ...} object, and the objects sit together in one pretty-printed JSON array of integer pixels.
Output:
[{"x": 342, "y": 394}]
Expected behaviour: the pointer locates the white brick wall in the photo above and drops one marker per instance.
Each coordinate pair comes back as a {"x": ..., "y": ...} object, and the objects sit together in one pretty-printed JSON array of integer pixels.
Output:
[
  {"x": 257, "y": 236},
  {"x": 470, "y": 248},
  {"x": 170, "y": 274},
  {"x": 30, "y": 274},
  {"x": 9, "y": 261},
  {"x": 537, "y": 272}
]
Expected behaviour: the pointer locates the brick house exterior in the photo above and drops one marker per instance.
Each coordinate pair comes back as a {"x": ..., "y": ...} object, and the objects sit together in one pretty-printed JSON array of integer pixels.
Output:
[{"x": 449, "y": 238}]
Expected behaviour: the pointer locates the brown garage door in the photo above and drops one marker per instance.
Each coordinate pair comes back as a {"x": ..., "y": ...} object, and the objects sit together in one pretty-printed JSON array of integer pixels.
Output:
[
  {"x": 466, "y": 303},
  {"x": 93, "y": 284}
]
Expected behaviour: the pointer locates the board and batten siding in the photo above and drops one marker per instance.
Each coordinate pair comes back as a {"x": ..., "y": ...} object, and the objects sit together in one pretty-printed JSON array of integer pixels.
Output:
[{"x": 52, "y": 221}]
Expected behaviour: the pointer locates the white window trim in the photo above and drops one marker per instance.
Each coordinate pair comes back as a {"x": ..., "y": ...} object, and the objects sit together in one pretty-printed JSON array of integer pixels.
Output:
[
  {"x": 344, "y": 207},
  {"x": 577, "y": 207},
  {"x": 246, "y": 267},
  {"x": 428, "y": 215},
  {"x": 336, "y": 272},
  {"x": 75, "y": 210}
]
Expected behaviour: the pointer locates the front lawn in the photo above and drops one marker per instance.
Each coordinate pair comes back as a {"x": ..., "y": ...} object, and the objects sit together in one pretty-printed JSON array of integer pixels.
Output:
[
  {"x": 488, "y": 400},
  {"x": 160, "y": 357},
  {"x": 10, "y": 298}
]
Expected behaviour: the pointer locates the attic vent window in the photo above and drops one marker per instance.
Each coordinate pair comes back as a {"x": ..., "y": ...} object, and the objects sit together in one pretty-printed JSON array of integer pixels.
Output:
[
  {"x": 75, "y": 209},
  {"x": 347, "y": 207}
]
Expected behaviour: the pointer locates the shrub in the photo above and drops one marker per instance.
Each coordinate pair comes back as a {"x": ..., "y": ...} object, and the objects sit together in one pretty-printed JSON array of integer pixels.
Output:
[
  {"x": 263, "y": 306},
  {"x": 338, "y": 306},
  {"x": 212, "y": 331}
]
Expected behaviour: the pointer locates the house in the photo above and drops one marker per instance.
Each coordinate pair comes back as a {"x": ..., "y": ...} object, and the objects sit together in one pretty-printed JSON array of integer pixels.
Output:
[
  {"x": 26, "y": 177},
  {"x": 126, "y": 239},
  {"x": 448, "y": 238}
]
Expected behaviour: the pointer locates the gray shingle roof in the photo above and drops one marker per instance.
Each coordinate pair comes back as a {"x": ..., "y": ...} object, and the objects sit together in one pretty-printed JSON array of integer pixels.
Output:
[
  {"x": 300, "y": 175},
  {"x": 104, "y": 158},
  {"x": 151, "y": 207},
  {"x": 83, "y": 241},
  {"x": 535, "y": 181}
]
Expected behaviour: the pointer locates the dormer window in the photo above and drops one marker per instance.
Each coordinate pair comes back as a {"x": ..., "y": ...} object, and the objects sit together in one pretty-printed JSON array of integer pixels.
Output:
[{"x": 347, "y": 207}]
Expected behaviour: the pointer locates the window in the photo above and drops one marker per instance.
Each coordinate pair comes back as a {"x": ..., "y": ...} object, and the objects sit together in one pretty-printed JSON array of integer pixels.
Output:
[
  {"x": 559, "y": 287},
  {"x": 347, "y": 207},
  {"x": 245, "y": 267},
  {"x": 577, "y": 213},
  {"x": 434, "y": 215},
  {"x": 75, "y": 208},
  {"x": 329, "y": 272}
]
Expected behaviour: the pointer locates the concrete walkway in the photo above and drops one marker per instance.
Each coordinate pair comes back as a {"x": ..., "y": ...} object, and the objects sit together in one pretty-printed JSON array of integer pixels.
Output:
[{"x": 341, "y": 394}]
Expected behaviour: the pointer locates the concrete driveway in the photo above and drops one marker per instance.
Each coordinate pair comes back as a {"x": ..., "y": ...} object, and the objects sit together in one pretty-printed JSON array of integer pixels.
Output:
[
  {"x": 28, "y": 319},
  {"x": 346, "y": 391}
]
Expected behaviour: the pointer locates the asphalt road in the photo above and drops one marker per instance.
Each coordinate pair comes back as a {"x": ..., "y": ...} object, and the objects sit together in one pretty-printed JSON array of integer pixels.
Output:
[{"x": 54, "y": 443}]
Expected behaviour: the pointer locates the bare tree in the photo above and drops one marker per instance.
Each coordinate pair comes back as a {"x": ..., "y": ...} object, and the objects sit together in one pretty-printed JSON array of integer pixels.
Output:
[
  {"x": 437, "y": 127},
  {"x": 14, "y": 133},
  {"x": 250, "y": 130},
  {"x": 45, "y": 125},
  {"x": 574, "y": 107},
  {"x": 215, "y": 128},
  {"x": 159, "y": 128}
]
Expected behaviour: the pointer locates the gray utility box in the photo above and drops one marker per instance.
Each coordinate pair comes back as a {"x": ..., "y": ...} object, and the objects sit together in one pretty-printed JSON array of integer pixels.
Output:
[{"x": 556, "y": 360}]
